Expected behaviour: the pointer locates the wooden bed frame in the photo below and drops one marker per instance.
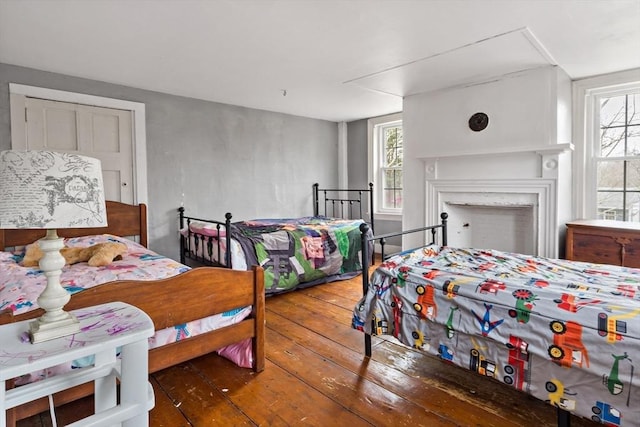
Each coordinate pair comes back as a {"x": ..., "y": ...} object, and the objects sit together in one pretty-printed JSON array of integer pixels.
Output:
[
  {"x": 336, "y": 203},
  {"x": 210, "y": 291}
]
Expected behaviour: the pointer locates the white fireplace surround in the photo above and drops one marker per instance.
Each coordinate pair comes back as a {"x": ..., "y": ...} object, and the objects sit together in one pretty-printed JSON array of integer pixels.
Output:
[{"x": 538, "y": 193}]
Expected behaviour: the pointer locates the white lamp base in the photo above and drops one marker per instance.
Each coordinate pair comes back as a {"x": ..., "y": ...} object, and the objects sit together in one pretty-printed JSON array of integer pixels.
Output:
[
  {"x": 55, "y": 322},
  {"x": 40, "y": 331}
]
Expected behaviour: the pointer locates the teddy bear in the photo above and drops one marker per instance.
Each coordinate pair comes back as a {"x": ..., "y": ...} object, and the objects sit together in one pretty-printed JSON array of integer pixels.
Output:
[{"x": 97, "y": 255}]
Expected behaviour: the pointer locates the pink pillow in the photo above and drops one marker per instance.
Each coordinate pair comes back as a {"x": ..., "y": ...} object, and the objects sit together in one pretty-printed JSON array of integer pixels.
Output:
[
  {"x": 240, "y": 353},
  {"x": 207, "y": 229}
]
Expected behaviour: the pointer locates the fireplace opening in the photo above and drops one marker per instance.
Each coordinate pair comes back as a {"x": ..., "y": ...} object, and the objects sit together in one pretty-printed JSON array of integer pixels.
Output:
[{"x": 510, "y": 228}]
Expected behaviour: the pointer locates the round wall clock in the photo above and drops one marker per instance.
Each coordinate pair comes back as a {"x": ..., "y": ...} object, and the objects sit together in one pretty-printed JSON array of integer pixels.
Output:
[{"x": 478, "y": 122}]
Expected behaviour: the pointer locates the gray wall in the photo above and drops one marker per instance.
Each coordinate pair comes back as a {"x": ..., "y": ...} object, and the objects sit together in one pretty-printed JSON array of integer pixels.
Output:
[
  {"x": 358, "y": 163},
  {"x": 358, "y": 167},
  {"x": 212, "y": 158}
]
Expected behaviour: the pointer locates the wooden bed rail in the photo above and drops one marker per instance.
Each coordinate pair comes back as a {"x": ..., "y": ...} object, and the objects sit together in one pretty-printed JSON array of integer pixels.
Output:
[
  {"x": 381, "y": 239},
  {"x": 340, "y": 203}
]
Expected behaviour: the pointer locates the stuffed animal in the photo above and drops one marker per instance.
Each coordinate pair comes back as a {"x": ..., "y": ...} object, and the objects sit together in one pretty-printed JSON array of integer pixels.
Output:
[{"x": 97, "y": 255}]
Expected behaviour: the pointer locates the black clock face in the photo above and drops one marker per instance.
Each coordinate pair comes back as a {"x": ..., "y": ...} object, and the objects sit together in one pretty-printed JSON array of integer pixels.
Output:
[{"x": 478, "y": 122}]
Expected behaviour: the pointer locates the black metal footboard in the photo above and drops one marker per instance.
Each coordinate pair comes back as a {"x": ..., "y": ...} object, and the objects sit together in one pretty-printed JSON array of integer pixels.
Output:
[
  {"x": 381, "y": 240},
  {"x": 199, "y": 247}
]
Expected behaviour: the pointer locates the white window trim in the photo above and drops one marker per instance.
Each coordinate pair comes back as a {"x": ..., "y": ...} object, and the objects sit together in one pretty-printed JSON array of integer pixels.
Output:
[
  {"x": 373, "y": 156},
  {"x": 585, "y": 94}
]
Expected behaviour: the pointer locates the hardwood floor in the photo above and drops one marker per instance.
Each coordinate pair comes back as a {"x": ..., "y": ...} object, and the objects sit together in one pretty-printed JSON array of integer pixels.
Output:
[{"x": 316, "y": 375}]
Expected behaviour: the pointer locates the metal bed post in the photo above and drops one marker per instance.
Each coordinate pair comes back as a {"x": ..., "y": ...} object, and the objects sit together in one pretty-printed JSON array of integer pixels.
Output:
[
  {"x": 227, "y": 225},
  {"x": 564, "y": 419},
  {"x": 364, "y": 241},
  {"x": 443, "y": 221},
  {"x": 373, "y": 230},
  {"x": 182, "y": 248},
  {"x": 315, "y": 199}
]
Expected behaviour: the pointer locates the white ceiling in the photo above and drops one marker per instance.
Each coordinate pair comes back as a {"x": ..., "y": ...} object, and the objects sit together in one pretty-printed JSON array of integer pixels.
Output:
[{"x": 338, "y": 60}]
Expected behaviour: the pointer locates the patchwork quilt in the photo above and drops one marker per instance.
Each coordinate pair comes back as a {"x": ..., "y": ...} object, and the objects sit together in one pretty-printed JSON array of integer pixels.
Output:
[
  {"x": 298, "y": 252},
  {"x": 565, "y": 332}
]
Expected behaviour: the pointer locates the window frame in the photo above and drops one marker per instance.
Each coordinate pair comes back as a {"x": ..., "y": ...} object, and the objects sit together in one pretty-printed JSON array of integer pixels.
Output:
[
  {"x": 597, "y": 157},
  {"x": 586, "y": 129},
  {"x": 375, "y": 151}
]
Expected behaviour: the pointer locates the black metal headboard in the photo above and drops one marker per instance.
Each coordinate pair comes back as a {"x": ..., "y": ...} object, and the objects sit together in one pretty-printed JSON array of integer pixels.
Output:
[{"x": 344, "y": 203}]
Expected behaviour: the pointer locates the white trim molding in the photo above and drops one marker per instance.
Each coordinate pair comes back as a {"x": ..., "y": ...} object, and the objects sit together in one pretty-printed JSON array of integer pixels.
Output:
[
  {"x": 373, "y": 163},
  {"x": 584, "y": 112}
]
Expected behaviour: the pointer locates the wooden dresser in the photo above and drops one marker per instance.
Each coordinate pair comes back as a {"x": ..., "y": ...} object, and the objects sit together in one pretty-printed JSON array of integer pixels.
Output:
[{"x": 604, "y": 242}]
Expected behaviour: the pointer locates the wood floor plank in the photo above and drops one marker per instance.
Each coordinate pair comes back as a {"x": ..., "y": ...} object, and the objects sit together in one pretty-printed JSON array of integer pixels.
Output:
[
  {"x": 513, "y": 404},
  {"x": 165, "y": 413},
  {"x": 510, "y": 403},
  {"x": 327, "y": 320},
  {"x": 497, "y": 398},
  {"x": 275, "y": 397},
  {"x": 343, "y": 293},
  {"x": 196, "y": 399},
  {"x": 433, "y": 395},
  {"x": 359, "y": 395}
]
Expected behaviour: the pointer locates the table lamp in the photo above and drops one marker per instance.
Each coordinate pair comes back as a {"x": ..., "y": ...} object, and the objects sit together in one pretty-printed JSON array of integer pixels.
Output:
[{"x": 51, "y": 190}]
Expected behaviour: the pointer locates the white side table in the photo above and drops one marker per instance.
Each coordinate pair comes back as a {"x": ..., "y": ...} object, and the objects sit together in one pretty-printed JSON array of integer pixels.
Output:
[{"x": 104, "y": 329}]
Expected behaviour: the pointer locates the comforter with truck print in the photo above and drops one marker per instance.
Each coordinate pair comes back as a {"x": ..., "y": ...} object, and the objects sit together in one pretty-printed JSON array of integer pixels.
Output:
[{"x": 565, "y": 332}]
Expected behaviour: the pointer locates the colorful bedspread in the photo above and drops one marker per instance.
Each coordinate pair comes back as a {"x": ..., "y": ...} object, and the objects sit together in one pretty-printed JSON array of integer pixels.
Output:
[
  {"x": 565, "y": 332},
  {"x": 20, "y": 287},
  {"x": 301, "y": 251}
]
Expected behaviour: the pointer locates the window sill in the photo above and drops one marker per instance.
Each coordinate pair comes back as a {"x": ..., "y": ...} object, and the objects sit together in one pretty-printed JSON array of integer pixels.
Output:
[{"x": 387, "y": 216}]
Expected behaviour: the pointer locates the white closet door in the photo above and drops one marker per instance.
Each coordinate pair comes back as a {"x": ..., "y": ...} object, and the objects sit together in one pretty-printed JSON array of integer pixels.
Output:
[{"x": 103, "y": 133}]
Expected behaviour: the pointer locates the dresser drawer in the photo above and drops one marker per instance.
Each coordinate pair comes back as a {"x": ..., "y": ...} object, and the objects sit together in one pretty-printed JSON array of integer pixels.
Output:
[{"x": 604, "y": 242}]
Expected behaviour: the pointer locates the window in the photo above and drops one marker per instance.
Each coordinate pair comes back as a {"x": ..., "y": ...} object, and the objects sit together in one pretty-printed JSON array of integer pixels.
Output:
[
  {"x": 386, "y": 152},
  {"x": 607, "y": 152},
  {"x": 618, "y": 157}
]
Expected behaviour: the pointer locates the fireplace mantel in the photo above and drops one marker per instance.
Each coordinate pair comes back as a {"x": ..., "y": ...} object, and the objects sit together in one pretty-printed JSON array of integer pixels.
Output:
[
  {"x": 550, "y": 158},
  {"x": 542, "y": 150}
]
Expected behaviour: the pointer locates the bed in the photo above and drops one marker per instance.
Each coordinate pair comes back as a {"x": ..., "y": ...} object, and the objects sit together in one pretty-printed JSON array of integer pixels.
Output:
[
  {"x": 294, "y": 252},
  {"x": 204, "y": 292},
  {"x": 565, "y": 332}
]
